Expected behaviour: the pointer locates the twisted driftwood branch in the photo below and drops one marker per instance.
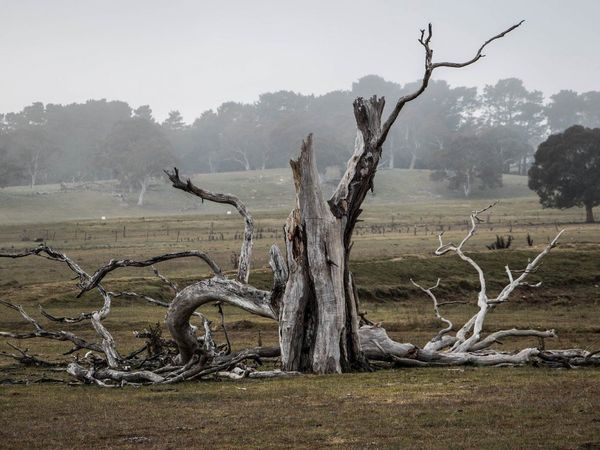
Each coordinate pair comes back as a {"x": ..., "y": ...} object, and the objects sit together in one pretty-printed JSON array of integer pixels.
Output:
[
  {"x": 463, "y": 342},
  {"x": 246, "y": 250}
]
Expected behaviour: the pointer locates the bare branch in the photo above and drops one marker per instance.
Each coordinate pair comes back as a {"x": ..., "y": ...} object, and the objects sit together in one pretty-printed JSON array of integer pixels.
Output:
[
  {"x": 520, "y": 280},
  {"x": 47, "y": 252},
  {"x": 358, "y": 178},
  {"x": 102, "y": 377},
  {"x": 442, "y": 332},
  {"x": 209, "y": 343},
  {"x": 104, "y": 311},
  {"x": 119, "y": 263},
  {"x": 64, "y": 319},
  {"x": 429, "y": 68},
  {"x": 140, "y": 296},
  {"x": 165, "y": 280},
  {"x": 475, "y": 324},
  {"x": 108, "y": 343},
  {"x": 148, "y": 299},
  {"x": 453, "y": 302},
  {"x": 40, "y": 332},
  {"x": 498, "y": 335},
  {"x": 474, "y": 218},
  {"x": 479, "y": 53},
  {"x": 26, "y": 359},
  {"x": 224, "y": 328},
  {"x": 87, "y": 282},
  {"x": 107, "y": 346},
  {"x": 509, "y": 273},
  {"x": 246, "y": 251}
]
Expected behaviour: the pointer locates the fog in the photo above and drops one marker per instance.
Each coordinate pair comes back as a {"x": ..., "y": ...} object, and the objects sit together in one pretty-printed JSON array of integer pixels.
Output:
[
  {"x": 103, "y": 96},
  {"x": 195, "y": 55}
]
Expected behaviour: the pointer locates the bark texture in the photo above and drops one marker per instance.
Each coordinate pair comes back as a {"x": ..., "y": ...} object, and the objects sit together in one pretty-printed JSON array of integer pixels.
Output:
[
  {"x": 319, "y": 314},
  {"x": 313, "y": 312}
]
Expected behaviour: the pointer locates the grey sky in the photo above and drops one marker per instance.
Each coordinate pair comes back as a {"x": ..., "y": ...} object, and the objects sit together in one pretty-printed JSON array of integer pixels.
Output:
[{"x": 194, "y": 55}]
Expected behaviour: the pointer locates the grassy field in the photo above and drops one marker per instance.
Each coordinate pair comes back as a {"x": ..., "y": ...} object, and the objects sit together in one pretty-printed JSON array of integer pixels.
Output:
[
  {"x": 267, "y": 190},
  {"x": 431, "y": 409},
  {"x": 416, "y": 408}
]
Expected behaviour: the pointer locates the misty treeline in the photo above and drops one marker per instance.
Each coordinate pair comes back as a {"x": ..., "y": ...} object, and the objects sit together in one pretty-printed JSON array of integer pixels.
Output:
[{"x": 469, "y": 138}]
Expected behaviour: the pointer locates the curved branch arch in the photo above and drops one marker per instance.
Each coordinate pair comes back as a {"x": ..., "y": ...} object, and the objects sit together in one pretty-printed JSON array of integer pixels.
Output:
[{"x": 216, "y": 289}]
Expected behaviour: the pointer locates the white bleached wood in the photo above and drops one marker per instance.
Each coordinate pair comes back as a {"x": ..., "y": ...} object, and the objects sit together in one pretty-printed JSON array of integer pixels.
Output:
[
  {"x": 440, "y": 340},
  {"x": 499, "y": 335},
  {"x": 468, "y": 337}
]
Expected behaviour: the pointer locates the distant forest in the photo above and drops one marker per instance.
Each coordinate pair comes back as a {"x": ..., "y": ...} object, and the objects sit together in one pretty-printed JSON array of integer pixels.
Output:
[{"x": 445, "y": 129}]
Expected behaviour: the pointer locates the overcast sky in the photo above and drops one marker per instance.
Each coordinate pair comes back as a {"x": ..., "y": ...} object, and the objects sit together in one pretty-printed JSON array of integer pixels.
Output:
[{"x": 194, "y": 55}]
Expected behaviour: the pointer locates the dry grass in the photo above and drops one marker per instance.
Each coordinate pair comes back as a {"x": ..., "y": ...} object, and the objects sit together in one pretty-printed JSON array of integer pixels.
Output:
[{"x": 432, "y": 408}]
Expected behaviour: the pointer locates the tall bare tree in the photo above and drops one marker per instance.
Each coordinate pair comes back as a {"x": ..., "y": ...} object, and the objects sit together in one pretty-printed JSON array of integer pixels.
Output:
[{"x": 318, "y": 311}]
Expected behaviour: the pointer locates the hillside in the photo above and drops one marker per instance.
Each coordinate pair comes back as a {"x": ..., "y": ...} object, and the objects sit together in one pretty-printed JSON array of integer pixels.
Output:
[{"x": 267, "y": 190}]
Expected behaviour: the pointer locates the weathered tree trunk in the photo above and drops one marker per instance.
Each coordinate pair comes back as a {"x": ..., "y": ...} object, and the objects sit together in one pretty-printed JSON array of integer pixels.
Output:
[
  {"x": 318, "y": 309},
  {"x": 413, "y": 161},
  {"x": 33, "y": 170},
  {"x": 467, "y": 184},
  {"x": 211, "y": 165},
  {"x": 242, "y": 158},
  {"x": 143, "y": 188},
  {"x": 589, "y": 214},
  {"x": 319, "y": 313},
  {"x": 523, "y": 165},
  {"x": 392, "y": 151},
  {"x": 313, "y": 312}
]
